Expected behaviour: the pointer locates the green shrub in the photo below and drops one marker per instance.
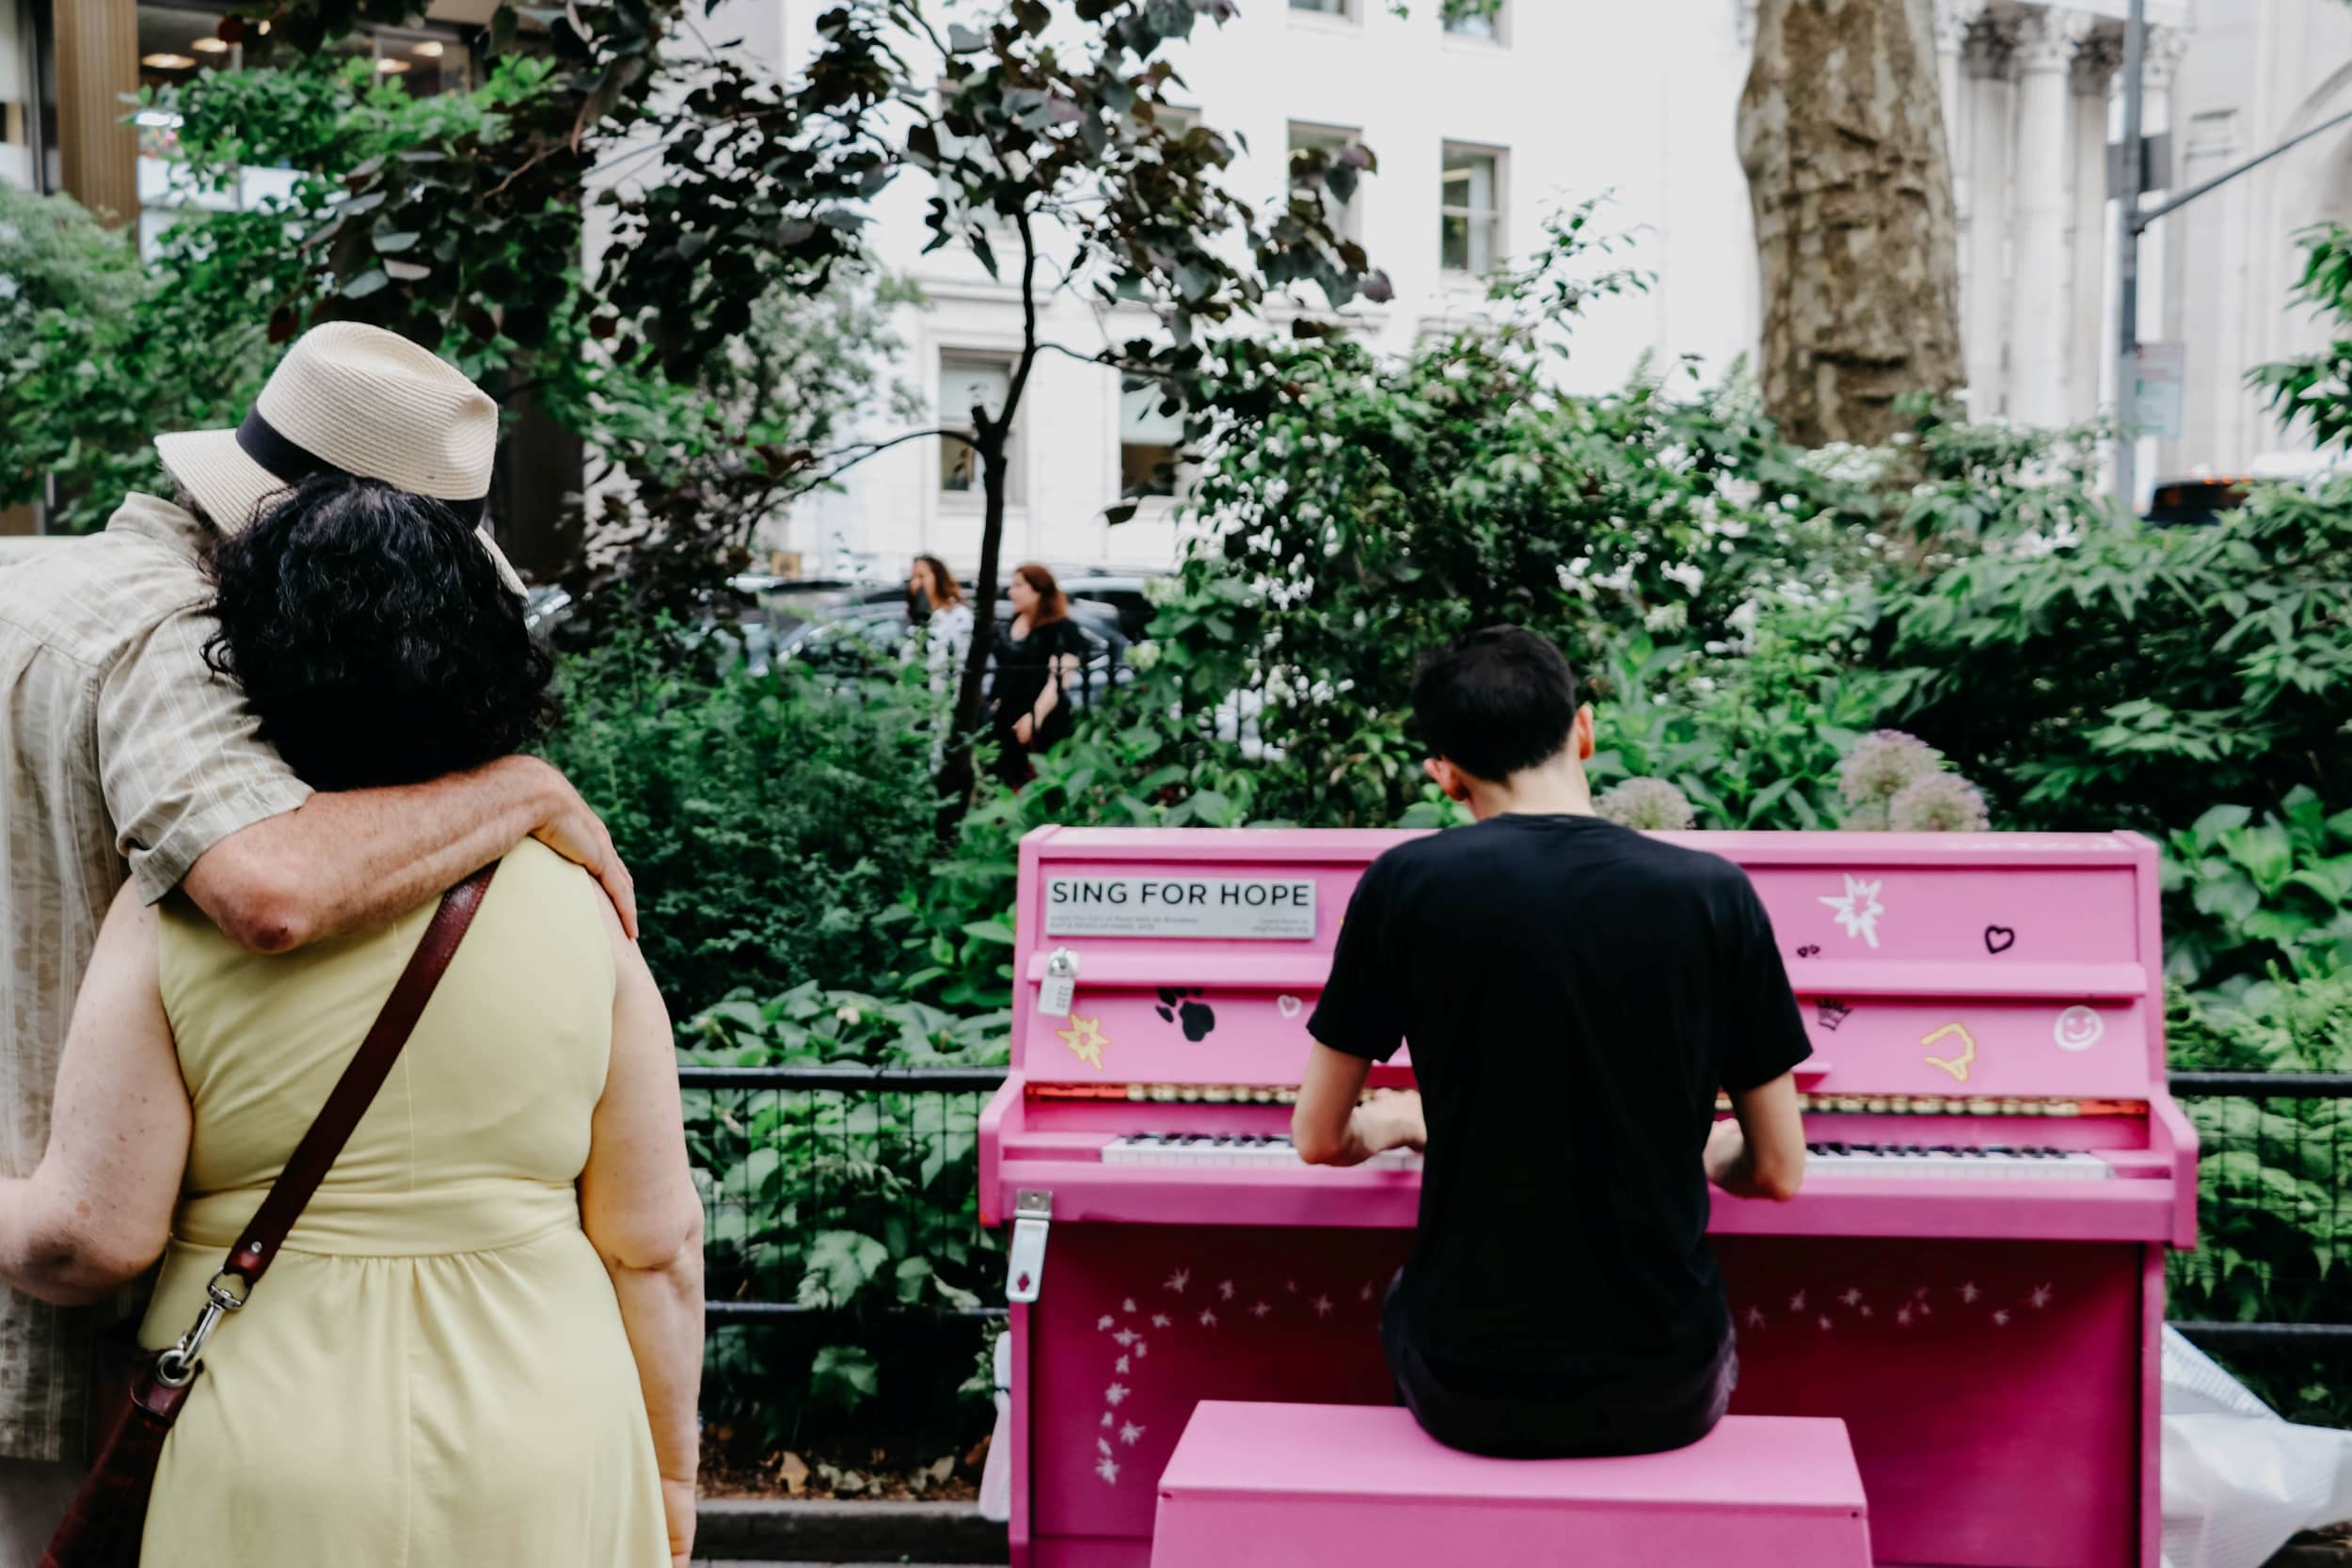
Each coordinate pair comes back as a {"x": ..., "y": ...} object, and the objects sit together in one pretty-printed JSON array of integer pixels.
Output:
[
  {"x": 770, "y": 822},
  {"x": 2244, "y": 896}
]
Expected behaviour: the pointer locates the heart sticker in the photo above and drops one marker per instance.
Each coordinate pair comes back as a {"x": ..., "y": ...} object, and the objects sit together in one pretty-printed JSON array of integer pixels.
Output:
[
  {"x": 1288, "y": 1006},
  {"x": 1999, "y": 939}
]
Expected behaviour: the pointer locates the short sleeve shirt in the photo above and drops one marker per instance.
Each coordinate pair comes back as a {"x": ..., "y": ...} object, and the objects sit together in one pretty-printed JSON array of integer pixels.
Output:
[
  {"x": 122, "y": 755},
  {"x": 1574, "y": 994}
]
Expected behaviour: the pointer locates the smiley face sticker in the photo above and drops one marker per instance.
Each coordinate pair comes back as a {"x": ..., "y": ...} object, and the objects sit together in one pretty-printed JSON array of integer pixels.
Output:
[{"x": 2078, "y": 1028}]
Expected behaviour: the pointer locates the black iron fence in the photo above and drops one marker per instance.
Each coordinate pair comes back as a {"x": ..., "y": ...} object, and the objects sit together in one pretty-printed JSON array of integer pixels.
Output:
[{"x": 854, "y": 1190}]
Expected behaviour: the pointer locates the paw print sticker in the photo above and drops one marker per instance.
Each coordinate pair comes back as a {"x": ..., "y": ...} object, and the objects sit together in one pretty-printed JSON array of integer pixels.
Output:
[{"x": 1178, "y": 1006}]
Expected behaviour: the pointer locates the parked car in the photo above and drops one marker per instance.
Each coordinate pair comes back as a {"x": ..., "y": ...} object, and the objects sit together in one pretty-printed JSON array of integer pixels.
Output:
[{"x": 2194, "y": 502}]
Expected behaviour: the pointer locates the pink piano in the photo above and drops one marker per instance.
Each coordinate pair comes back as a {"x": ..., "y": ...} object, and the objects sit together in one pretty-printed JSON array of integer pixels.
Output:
[{"x": 1973, "y": 1277}]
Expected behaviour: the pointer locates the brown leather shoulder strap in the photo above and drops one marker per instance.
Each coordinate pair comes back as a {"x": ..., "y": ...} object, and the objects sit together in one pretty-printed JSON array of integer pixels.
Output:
[{"x": 315, "y": 1155}]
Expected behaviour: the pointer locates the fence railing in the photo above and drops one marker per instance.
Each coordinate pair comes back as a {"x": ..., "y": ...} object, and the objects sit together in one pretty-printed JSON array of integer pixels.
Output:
[{"x": 893, "y": 1152}]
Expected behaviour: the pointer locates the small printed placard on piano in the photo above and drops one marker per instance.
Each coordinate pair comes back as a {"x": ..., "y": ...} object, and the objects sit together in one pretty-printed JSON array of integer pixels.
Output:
[{"x": 1261, "y": 909}]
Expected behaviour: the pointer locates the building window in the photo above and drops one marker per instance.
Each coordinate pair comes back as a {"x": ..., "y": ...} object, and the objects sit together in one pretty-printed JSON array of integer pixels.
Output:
[
  {"x": 1346, "y": 219},
  {"x": 966, "y": 380},
  {"x": 1324, "y": 8},
  {"x": 1477, "y": 19},
  {"x": 179, "y": 43},
  {"x": 1148, "y": 442},
  {"x": 1470, "y": 211}
]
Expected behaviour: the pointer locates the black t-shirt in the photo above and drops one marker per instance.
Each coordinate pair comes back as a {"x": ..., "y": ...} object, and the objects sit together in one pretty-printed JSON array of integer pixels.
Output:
[{"x": 1574, "y": 994}]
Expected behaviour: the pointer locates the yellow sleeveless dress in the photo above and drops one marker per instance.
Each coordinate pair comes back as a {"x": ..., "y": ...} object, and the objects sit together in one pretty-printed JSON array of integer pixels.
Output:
[{"x": 433, "y": 1372}]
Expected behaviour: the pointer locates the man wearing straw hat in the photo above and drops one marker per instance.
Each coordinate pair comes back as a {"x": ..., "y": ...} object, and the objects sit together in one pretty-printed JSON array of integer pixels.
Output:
[{"x": 123, "y": 754}]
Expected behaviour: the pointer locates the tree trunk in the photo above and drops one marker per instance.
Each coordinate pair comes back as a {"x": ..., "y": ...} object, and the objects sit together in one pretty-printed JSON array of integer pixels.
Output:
[
  {"x": 957, "y": 776},
  {"x": 1842, "y": 132}
]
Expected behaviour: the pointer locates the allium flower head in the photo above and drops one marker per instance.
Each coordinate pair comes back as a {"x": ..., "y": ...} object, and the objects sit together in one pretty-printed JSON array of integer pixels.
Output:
[
  {"x": 1939, "y": 803},
  {"x": 1881, "y": 763},
  {"x": 1868, "y": 817},
  {"x": 1651, "y": 805}
]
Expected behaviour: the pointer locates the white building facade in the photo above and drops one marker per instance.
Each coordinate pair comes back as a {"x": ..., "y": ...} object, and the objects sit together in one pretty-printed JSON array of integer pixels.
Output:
[{"x": 1480, "y": 131}]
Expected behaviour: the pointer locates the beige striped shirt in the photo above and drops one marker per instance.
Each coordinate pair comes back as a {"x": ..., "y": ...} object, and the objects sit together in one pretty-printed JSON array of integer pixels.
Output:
[{"x": 121, "y": 754}]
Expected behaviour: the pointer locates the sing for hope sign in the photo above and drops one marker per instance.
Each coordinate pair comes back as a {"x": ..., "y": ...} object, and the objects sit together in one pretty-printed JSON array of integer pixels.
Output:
[{"x": 1264, "y": 908}]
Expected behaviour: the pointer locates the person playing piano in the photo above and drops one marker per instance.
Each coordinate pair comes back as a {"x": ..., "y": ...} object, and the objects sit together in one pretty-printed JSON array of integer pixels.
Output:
[{"x": 1574, "y": 993}]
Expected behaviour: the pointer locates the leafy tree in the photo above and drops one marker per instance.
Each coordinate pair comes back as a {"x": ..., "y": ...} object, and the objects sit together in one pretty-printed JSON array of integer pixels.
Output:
[{"x": 2315, "y": 391}]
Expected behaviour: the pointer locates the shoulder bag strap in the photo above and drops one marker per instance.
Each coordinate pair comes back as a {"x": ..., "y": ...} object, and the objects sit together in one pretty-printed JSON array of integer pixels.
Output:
[{"x": 315, "y": 1155}]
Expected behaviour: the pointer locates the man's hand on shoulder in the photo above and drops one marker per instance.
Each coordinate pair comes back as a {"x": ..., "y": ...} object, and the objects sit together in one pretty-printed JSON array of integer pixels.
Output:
[{"x": 569, "y": 827}]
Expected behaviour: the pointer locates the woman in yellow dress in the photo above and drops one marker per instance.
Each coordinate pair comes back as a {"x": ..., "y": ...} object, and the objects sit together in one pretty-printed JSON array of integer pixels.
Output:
[{"x": 480, "y": 1342}]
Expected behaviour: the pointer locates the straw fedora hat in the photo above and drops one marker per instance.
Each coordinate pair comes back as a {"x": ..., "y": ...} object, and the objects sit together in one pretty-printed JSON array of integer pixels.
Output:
[{"x": 356, "y": 399}]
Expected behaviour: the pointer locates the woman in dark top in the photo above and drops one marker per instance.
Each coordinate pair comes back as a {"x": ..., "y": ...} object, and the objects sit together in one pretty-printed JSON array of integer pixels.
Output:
[{"x": 1036, "y": 661}]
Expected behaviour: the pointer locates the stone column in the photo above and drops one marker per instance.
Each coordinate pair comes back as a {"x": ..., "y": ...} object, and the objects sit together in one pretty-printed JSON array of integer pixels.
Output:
[
  {"x": 1952, "y": 20},
  {"x": 1984, "y": 303},
  {"x": 2091, "y": 253},
  {"x": 2158, "y": 309},
  {"x": 2038, "y": 339},
  {"x": 98, "y": 66}
]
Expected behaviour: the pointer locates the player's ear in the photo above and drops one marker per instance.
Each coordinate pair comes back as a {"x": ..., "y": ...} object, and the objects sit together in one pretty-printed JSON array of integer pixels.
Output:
[
  {"x": 1448, "y": 778},
  {"x": 1583, "y": 734}
]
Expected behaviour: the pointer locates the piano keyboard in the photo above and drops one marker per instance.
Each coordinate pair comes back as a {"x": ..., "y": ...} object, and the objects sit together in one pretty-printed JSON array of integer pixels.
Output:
[
  {"x": 1922, "y": 1161},
  {"x": 1246, "y": 1150},
  {"x": 1912, "y": 1162}
]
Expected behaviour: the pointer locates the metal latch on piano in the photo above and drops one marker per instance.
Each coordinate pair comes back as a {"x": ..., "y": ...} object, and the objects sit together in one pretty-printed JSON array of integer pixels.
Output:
[{"x": 1024, "y": 1269}]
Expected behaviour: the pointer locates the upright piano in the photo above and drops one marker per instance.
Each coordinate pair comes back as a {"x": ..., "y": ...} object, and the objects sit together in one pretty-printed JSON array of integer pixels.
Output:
[{"x": 1971, "y": 1277}]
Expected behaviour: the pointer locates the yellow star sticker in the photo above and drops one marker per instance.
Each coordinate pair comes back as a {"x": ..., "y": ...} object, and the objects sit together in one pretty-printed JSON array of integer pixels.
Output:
[{"x": 1086, "y": 1040}]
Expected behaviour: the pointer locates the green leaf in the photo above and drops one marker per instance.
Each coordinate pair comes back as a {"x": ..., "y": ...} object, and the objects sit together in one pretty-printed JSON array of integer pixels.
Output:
[{"x": 844, "y": 1375}]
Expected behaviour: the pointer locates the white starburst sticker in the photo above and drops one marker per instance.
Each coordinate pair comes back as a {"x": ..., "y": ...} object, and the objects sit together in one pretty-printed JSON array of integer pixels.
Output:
[
  {"x": 1130, "y": 1434},
  {"x": 1107, "y": 1468},
  {"x": 1114, "y": 1395},
  {"x": 1178, "y": 1280},
  {"x": 1858, "y": 912}
]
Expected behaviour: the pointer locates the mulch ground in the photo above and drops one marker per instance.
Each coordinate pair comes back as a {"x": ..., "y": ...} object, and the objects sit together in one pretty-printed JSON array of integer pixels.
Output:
[{"x": 873, "y": 1473}]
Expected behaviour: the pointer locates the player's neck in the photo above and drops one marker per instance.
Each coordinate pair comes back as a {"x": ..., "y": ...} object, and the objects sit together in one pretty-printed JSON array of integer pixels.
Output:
[{"x": 1555, "y": 788}]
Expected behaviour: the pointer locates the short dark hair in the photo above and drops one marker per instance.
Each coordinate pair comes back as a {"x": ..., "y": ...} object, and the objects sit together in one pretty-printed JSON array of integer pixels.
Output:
[
  {"x": 1496, "y": 703},
  {"x": 375, "y": 637}
]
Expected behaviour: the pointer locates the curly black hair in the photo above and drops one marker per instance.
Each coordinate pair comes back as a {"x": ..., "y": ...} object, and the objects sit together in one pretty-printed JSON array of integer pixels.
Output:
[{"x": 375, "y": 637}]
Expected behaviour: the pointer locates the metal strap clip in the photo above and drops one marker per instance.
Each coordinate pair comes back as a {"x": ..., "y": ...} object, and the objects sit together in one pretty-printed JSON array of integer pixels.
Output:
[{"x": 176, "y": 1368}]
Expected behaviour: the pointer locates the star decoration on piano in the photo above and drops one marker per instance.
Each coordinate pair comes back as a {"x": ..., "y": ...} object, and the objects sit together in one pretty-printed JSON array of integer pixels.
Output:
[
  {"x": 1853, "y": 1297},
  {"x": 1826, "y": 1325},
  {"x": 1755, "y": 1317},
  {"x": 1107, "y": 1468},
  {"x": 1968, "y": 1294},
  {"x": 1114, "y": 1394},
  {"x": 1858, "y": 912},
  {"x": 2040, "y": 1297},
  {"x": 1142, "y": 1350},
  {"x": 1103, "y": 1447},
  {"x": 2000, "y": 1319},
  {"x": 1178, "y": 1280},
  {"x": 1902, "y": 1317},
  {"x": 1323, "y": 1306},
  {"x": 1159, "y": 1320},
  {"x": 1121, "y": 1366},
  {"x": 1365, "y": 1294},
  {"x": 1796, "y": 1302},
  {"x": 1107, "y": 1417},
  {"x": 1125, "y": 1338},
  {"x": 1127, "y": 1306},
  {"x": 1208, "y": 1318},
  {"x": 1225, "y": 1289},
  {"x": 1259, "y": 1310},
  {"x": 1130, "y": 1434},
  {"x": 1086, "y": 1040}
]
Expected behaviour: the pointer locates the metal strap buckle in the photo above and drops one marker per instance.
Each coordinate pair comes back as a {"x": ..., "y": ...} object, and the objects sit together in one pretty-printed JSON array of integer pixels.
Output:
[{"x": 176, "y": 1368}]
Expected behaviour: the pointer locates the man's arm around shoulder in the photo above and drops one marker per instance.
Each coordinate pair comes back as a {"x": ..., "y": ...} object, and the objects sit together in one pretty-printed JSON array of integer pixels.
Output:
[{"x": 345, "y": 862}]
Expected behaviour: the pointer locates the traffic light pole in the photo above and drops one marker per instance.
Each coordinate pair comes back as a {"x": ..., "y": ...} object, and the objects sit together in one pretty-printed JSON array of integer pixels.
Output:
[{"x": 2136, "y": 220}]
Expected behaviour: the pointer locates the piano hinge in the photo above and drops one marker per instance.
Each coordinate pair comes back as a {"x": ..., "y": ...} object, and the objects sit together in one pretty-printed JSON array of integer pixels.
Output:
[{"x": 1025, "y": 1270}]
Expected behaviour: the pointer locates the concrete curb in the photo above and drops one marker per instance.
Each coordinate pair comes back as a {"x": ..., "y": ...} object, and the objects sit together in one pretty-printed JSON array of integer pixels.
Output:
[{"x": 784, "y": 1530}]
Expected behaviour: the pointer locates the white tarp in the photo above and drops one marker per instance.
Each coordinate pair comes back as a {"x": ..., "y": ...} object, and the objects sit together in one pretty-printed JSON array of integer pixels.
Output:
[{"x": 2239, "y": 1480}]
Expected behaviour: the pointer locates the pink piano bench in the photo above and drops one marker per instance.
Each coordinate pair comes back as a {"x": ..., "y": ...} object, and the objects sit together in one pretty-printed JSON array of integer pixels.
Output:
[{"x": 1362, "y": 1486}]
